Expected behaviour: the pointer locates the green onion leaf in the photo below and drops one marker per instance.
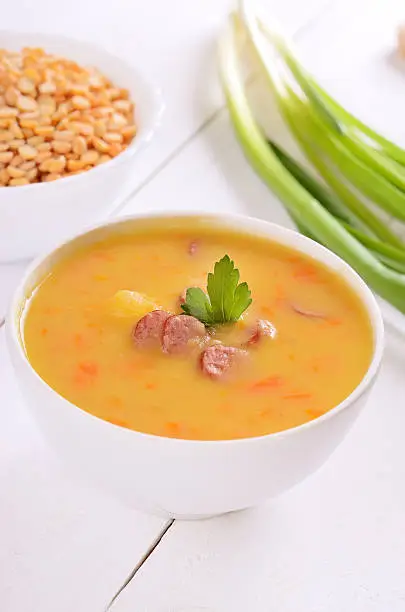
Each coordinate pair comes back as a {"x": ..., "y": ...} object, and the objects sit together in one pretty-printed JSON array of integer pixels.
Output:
[{"x": 303, "y": 207}]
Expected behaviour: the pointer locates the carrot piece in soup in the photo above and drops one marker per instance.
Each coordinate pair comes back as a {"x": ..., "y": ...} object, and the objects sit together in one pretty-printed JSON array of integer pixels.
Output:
[
  {"x": 294, "y": 259},
  {"x": 267, "y": 311},
  {"x": 297, "y": 396},
  {"x": 307, "y": 272},
  {"x": 314, "y": 414},
  {"x": 119, "y": 422},
  {"x": 271, "y": 382},
  {"x": 334, "y": 322},
  {"x": 89, "y": 367},
  {"x": 172, "y": 429}
]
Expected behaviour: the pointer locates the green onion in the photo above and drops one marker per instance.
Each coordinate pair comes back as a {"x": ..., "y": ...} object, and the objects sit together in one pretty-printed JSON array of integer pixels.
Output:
[
  {"x": 314, "y": 187},
  {"x": 322, "y": 128},
  {"x": 337, "y": 116},
  {"x": 370, "y": 182},
  {"x": 390, "y": 255},
  {"x": 350, "y": 208},
  {"x": 337, "y": 183},
  {"x": 388, "y": 148},
  {"x": 302, "y": 205}
]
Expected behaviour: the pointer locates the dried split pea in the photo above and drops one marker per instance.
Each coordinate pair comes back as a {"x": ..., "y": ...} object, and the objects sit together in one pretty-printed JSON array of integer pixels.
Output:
[
  {"x": 28, "y": 152},
  {"x": 57, "y": 118},
  {"x": 15, "y": 182}
]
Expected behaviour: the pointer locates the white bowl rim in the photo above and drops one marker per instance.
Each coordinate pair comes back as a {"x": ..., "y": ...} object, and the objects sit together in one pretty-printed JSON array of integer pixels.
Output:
[
  {"x": 235, "y": 220},
  {"x": 141, "y": 138}
]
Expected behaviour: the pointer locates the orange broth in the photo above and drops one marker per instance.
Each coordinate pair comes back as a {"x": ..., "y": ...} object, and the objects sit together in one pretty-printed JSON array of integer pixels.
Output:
[{"x": 86, "y": 353}]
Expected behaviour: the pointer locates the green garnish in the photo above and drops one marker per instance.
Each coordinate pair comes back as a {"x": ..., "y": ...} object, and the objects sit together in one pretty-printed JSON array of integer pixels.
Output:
[
  {"x": 198, "y": 305},
  {"x": 226, "y": 299}
]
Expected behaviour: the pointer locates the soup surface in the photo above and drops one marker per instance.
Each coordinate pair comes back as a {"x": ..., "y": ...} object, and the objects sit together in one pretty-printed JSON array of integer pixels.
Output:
[{"x": 80, "y": 334}]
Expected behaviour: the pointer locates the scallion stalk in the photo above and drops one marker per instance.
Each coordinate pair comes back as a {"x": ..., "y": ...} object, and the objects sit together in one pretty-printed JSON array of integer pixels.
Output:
[
  {"x": 388, "y": 148},
  {"x": 301, "y": 204},
  {"x": 370, "y": 182},
  {"x": 390, "y": 255},
  {"x": 314, "y": 187},
  {"x": 373, "y": 184},
  {"x": 337, "y": 183},
  {"x": 337, "y": 116}
]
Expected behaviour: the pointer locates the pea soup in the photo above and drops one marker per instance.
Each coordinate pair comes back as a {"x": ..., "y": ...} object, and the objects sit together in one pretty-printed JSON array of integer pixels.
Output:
[{"x": 125, "y": 329}]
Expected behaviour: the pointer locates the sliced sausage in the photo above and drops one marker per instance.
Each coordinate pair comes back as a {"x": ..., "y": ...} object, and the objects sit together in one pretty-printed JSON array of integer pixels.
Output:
[
  {"x": 262, "y": 329},
  {"x": 179, "y": 330},
  {"x": 217, "y": 359},
  {"x": 149, "y": 330}
]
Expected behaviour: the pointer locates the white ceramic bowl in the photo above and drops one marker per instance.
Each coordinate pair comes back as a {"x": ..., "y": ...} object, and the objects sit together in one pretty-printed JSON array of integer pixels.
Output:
[
  {"x": 181, "y": 478},
  {"x": 33, "y": 218}
]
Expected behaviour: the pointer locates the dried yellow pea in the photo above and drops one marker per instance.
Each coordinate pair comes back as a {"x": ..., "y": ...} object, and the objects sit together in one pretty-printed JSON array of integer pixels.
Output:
[{"x": 57, "y": 118}]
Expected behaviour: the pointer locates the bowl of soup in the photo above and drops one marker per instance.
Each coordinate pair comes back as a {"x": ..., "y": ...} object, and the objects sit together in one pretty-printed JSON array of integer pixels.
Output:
[{"x": 193, "y": 365}]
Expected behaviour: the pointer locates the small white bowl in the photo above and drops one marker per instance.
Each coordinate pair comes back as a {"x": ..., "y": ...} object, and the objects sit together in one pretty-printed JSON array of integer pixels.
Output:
[
  {"x": 33, "y": 218},
  {"x": 185, "y": 478}
]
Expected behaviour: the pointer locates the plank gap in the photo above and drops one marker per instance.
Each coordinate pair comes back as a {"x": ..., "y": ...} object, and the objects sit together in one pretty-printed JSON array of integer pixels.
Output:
[{"x": 141, "y": 562}]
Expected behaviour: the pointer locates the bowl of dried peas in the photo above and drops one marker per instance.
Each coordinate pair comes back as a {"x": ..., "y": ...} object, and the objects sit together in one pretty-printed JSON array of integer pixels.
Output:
[{"x": 73, "y": 119}]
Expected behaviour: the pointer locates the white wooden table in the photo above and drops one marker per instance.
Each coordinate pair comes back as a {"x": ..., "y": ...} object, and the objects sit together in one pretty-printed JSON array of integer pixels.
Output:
[{"x": 336, "y": 543}]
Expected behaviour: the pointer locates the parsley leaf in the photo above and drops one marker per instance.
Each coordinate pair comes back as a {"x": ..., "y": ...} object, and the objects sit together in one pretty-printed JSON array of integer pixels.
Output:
[
  {"x": 226, "y": 299},
  {"x": 241, "y": 302},
  {"x": 198, "y": 305}
]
